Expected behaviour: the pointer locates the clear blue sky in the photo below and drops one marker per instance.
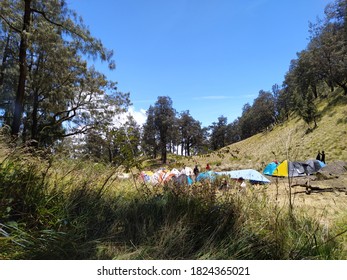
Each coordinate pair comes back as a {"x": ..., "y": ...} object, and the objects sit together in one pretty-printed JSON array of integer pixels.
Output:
[{"x": 210, "y": 56}]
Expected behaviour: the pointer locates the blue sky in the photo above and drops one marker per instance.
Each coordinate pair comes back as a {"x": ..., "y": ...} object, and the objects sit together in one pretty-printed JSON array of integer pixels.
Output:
[{"x": 210, "y": 56}]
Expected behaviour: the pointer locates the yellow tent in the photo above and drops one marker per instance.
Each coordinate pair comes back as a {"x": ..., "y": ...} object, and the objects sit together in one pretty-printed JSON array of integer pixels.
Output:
[
  {"x": 281, "y": 170},
  {"x": 146, "y": 175}
]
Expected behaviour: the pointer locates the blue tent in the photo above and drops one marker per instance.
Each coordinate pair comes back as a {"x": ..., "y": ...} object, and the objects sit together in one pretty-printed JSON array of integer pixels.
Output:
[
  {"x": 270, "y": 168},
  {"x": 182, "y": 180},
  {"x": 314, "y": 165},
  {"x": 208, "y": 175},
  {"x": 247, "y": 174}
]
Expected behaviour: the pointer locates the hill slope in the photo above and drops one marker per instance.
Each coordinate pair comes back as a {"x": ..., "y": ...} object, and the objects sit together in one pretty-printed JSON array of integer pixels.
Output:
[{"x": 292, "y": 140}]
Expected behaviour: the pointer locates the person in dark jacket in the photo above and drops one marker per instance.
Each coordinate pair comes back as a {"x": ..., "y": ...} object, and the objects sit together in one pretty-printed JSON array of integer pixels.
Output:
[
  {"x": 318, "y": 157},
  {"x": 323, "y": 157},
  {"x": 196, "y": 171}
]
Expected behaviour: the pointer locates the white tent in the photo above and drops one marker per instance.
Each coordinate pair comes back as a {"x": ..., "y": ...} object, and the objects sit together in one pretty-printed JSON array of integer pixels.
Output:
[{"x": 247, "y": 174}]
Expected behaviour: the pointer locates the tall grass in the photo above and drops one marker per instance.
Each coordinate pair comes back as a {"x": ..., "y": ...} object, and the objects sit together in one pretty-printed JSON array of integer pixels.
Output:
[{"x": 53, "y": 210}]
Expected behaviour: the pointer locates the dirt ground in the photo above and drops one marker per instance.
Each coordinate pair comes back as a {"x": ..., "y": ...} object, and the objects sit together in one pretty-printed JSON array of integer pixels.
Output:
[{"x": 326, "y": 199}]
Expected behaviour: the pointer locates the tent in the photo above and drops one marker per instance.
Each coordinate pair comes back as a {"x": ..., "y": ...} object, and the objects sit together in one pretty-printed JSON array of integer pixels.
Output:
[
  {"x": 158, "y": 177},
  {"x": 175, "y": 172},
  {"x": 146, "y": 175},
  {"x": 296, "y": 168},
  {"x": 290, "y": 169},
  {"x": 164, "y": 176},
  {"x": 168, "y": 176},
  {"x": 281, "y": 170},
  {"x": 247, "y": 174},
  {"x": 182, "y": 180},
  {"x": 187, "y": 171},
  {"x": 314, "y": 165},
  {"x": 270, "y": 168},
  {"x": 208, "y": 175}
]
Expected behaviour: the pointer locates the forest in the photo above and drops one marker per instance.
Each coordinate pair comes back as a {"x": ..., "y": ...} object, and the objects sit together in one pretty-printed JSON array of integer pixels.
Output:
[{"x": 52, "y": 97}]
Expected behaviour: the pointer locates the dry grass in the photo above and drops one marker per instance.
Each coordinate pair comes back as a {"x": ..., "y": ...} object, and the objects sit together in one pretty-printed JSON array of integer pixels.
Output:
[
  {"x": 329, "y": 206},
  {"x": 293, "y": 140}
]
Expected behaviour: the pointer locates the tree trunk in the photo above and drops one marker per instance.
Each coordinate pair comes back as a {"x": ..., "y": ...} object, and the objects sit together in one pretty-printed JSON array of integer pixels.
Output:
[
  {"x": 343, "y": 86},
  {"x": 314, "y": 90},
  {"x": 344, "y": 89},
  {"x": 110, "y": 154},
  {"x": 330, "y": 85},
  {"x": 163, "y": 149},
  {"x": 19, "y": 102},
  {"x": 4, "y": 59},
  {"x": 163, "y": 155},
  {"x": 34, "y": 128},
  {"x": 188, "y": 148}
]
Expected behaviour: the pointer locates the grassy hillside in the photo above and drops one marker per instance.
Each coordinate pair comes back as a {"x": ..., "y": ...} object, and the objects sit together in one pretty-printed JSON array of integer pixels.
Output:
[{"x": 293, "y": 140}]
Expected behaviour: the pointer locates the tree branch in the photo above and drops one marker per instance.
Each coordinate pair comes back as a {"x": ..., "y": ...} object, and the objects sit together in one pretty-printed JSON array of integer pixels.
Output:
[
  {"x": 10, "y": 25},
  {"x": 56, "y": 23}
]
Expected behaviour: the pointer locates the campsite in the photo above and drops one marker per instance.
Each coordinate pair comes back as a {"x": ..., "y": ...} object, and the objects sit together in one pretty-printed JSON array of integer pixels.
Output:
[
  {"x": 220, "y": 141},
  {"x": 326, "y": 182},
  {"x": 89, "y": 210}
]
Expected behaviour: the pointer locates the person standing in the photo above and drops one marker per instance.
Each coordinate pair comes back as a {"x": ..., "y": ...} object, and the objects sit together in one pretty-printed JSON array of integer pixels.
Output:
[
  {"x": 318, "y": 157},
  {"x": 196, "y": 171},
  {"x": 323, "y": 157}
]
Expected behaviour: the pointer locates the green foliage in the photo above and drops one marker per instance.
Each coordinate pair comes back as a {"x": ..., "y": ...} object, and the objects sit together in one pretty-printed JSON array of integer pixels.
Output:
[
  {"x": 218, "y": 133},
  {"x": 258, "y": 117},
  {"x": 22, "y": 192},
  {"x": 158, "y": 132},
  {"x": 66, "y": 213},
  {"x": 118, "y": 146},
  {"x": 307, "y": 109},
  {"x": 190, "y": 135},
  {"x": 58, "y": 94}
]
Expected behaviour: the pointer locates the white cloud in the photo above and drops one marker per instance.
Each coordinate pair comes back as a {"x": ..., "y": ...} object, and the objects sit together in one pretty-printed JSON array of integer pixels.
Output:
[{"x": 139, "y": 116}]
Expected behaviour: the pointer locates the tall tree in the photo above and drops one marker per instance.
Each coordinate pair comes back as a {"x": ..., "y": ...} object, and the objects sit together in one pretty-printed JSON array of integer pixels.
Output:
[
  {"x": 8, "y": 75},
  {"x": 246, "y": 122},
  {"x": 116, "y": 144},
  {"x": 164, "y": 119},
  {"x": 328, "y": 45},
  {"x": 263, "y": 111},
  {"x": 233, "y": 132},
  {"x": 44, "y": 29},
  {"x": 150, "y": 142},
  {"x": 258, "y": 117},
  {"x": 307, "y": 109},
  {"x": 19, "y": 101},
  {"x": 218, "y": 135},
  {"x": 190, "y": 133},
  {"x": 123, "y": 144}
]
